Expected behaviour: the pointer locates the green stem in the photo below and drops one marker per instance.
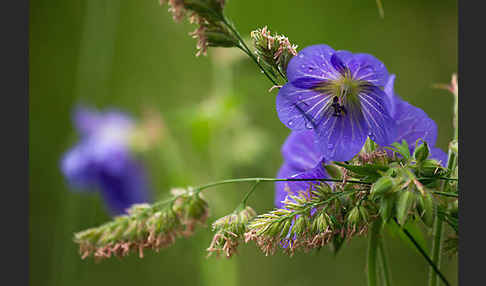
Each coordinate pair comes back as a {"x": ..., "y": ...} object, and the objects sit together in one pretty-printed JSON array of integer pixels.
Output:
[
  {"x": 247, "y": 50},
  {"x": 372, "y": 251},
  {"x": 438, "y": 229},
  {"x": 240, "y": 180},
  {"x": 245, "y": 199},
  {"x": 436, "y": 248},
  {"x": 385, "y": 268}
]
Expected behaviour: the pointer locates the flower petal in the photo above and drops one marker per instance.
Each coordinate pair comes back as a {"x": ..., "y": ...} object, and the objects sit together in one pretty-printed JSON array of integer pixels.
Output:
[
  {"x": 123, "y": 189},
  {"x": 391, "y": 98},
  {"x": 285, "y": 188},
  {"x": 341, "y": 137},
  {"x": 86, "y": 120},
  {"x": 413, "y": 123},
  {"x": 382, "y": 128},
  {"x": 439, "y": 155},
  {"x": 299, "y": 108},
  {"x": 313, "y": 62},
  {"x": 301, "y": 150},
  {"x": 367, "y": 68}
]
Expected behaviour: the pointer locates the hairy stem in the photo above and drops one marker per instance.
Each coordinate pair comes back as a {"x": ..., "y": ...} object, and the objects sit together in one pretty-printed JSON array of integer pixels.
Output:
[
  {"x": 372, "y": 251},
  {"x": 385, "y": 268},
  {"x": 247, "y": 50},
  {"x": 438, "y": 230}
]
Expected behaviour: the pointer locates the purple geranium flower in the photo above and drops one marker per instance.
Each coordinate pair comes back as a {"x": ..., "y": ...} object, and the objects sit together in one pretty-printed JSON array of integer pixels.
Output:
[
  {"x": 103, "y": 159},
  {"x": 303, "y": 160},
  {"x": 412, "y": 123},
  {"x": 339, "y": 95}
]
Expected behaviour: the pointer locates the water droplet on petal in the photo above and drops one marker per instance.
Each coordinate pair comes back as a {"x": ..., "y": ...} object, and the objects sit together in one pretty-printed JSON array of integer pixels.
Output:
[
  {"x": 309, "y": 125},
  {"x": 290, "y": 123},
  {"x": 301, "y": 55},
  {"x": 311, "y": 69}
]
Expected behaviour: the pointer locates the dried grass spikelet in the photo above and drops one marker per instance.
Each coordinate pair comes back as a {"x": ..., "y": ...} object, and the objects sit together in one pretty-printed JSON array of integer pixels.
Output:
[
  {"x": 145, "y": 227},
  {"x": 230, "y": 230}
]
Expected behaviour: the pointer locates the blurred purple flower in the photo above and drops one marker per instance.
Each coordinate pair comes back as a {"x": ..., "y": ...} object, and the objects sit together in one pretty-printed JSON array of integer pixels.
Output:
[
  {"x": 412, "y": 123},
  {"x": 302, "y": 160},
  {"x": 339, "y": 95},
  {"x": 103, "y": 159}
]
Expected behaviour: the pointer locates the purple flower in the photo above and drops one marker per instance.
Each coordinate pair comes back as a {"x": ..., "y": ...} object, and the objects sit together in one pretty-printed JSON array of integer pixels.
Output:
[
  {"x": 339, "y": 95},
  {"x": 102, "y": 159},
  {"x": 302, "y": 160},
  {"x": 412, "y": 123}
]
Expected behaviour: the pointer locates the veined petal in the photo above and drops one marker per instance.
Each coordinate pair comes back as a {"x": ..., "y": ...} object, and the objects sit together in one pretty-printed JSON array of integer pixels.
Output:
[
  {"x": 301, "y": 150},
  {"x": 413, "y": 123},
  {"x": 299, "y": 108},
  {"x": 391, "y": 98},
  {"x": 313, "y": 62},
  {"x": 368, "y": 68},
  {"x": 382, "y": 128},
  {"x": 439, "y": 155},
  {"x": 342, "y": 137}
]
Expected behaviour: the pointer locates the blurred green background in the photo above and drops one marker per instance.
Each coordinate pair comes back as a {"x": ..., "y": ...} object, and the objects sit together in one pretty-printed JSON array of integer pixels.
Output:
[{"x": 219, "y": 122}]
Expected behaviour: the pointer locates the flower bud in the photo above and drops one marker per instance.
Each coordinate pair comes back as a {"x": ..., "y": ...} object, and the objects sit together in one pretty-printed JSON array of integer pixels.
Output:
[
  {"x": 382, "y": 186},
  {"x": 404, "y": 203},
  {"x": 425, "y": 208},
  {"x": 421, "y": 152},
  {"x": 431, "y": 168}
]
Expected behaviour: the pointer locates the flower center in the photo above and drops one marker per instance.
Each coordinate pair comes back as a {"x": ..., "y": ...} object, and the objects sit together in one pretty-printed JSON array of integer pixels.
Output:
[{"x": 344, "y": 92}]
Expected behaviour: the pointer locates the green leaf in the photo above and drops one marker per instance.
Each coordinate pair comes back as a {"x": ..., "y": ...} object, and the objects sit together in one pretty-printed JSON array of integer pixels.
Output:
[
  {"x": 402, "y": 149},
  {"x": 370, "y": 171}
]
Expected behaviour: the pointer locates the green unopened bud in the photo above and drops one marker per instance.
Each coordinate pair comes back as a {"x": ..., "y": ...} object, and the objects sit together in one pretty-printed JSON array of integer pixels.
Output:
[
  {"x": 425, "y": 208},
  {"x": 404, "y": 203},
  {"x": 382, "y": 186},
  {"x": 386, "y": 207},
  {"x": 454, "y": 146},
  {"x": 431, "y": 168},
  {"x": 421, "y": 152}
]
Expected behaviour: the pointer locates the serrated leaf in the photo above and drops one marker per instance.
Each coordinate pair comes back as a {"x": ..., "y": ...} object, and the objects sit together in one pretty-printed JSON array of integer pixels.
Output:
[{"x": 402, "y": 149}]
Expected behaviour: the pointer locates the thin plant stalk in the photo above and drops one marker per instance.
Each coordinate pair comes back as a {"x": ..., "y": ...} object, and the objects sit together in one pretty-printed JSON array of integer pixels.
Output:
[
  {"x": 384, "y": 266},
  {"x": 372, "y": 252}
]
